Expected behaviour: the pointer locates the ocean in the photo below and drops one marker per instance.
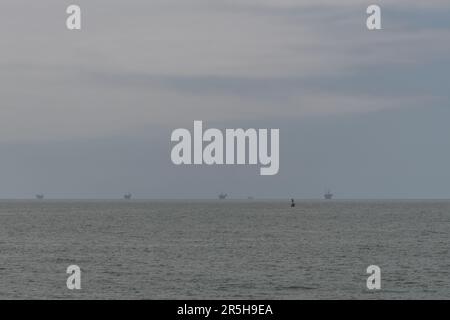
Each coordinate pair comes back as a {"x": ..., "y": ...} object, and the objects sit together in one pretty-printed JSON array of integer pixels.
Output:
[{"x": 224, "y": 249}]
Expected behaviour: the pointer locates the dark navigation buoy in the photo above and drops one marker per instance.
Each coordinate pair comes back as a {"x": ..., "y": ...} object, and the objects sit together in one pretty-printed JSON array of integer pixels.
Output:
[{"x": 292, "y": 203}]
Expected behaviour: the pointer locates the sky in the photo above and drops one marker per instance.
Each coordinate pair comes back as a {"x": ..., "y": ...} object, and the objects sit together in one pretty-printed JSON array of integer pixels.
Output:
[{"x": 88, "y": 114}]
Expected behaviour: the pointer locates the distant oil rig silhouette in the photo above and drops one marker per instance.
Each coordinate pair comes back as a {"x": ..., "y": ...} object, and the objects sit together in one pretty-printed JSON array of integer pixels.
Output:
[
  {"x": 127, "y": 196},
  {"x": 328, "y": 195}
]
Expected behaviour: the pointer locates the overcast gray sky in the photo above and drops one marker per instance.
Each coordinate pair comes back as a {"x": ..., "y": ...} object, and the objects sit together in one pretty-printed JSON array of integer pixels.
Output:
[{"x": 88, "y": 114}]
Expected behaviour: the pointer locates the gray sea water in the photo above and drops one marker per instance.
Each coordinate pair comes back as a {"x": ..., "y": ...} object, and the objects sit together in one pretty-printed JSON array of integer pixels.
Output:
[{"x": 224, "y": 249}]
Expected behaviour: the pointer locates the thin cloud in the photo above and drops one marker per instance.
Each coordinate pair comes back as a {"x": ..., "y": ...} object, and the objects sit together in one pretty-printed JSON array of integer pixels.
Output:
[{"x": 138, "y": 64}]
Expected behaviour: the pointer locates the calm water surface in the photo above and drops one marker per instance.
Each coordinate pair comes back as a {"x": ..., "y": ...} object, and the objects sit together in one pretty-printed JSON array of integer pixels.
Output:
[{"x": 224, "y": 249}]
